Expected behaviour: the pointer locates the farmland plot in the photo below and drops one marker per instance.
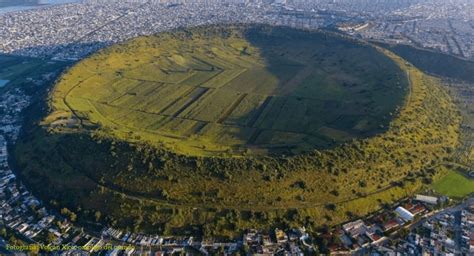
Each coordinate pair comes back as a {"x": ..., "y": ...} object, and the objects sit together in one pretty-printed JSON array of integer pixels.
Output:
[{"x": 237, "y": 93}]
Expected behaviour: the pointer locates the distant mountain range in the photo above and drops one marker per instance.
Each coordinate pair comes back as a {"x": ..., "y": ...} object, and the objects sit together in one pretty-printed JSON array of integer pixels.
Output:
[
  {"x": 7, "y": 3},
  {"x": 19, "y": 2},
  {"x": 12, "y": 4}
]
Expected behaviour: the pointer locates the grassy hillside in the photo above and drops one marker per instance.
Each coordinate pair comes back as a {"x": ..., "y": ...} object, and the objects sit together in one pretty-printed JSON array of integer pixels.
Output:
[
  {"x": 87, "y": 166},
  {"x": 237, "y": 91},
  {"x": 436, "y": 63},
  {"x": 458, "y": 79},
  {"x": 454, "y": 184}
]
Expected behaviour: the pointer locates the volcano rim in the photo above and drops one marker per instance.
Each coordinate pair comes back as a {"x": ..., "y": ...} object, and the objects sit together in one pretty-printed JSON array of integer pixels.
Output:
[{"x": 203, "y": 101}]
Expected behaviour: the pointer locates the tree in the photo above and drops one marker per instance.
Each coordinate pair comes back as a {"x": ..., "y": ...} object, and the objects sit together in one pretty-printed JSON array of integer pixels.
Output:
[
  {"x": 97, "y": 215},
  {"x": 69, "y": 214},
  {"x": 50, "y": 238},
  {"x": 331, "y": 207},
  {"x": 72, "y": 217}
]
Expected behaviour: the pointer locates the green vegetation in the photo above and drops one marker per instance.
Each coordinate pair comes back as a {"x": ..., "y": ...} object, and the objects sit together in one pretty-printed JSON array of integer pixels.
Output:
[
  {"x": 23, "y": 72},
  {"x": 462, "y": 95},
  {"x": 100, "y": 165},
  {"x": 454, "y": 184},
  {"x": 458, "y": 79},
  {"x": 436, "y": 63},
  {"x": 233, "y": 91}
]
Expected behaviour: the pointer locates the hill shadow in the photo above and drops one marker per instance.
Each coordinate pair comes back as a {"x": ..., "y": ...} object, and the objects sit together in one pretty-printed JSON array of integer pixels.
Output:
[
  {"x": 330, "y": 89},
  {"x": 322, "y": 99},
  {"x": 438, "y": 64}
]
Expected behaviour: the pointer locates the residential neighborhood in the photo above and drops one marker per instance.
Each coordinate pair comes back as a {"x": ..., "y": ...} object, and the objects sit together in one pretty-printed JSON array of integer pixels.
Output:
[{"x": 73, "y": 31}]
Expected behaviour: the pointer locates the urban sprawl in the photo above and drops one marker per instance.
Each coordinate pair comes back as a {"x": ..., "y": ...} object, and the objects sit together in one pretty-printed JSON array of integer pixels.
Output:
[{"x": 72, "y": 31}]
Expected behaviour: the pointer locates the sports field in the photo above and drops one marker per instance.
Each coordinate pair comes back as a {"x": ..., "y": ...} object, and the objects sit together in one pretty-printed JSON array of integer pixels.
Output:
[
  {"x": 454, "y": 184},
  {"x": 250, "y": 91}
]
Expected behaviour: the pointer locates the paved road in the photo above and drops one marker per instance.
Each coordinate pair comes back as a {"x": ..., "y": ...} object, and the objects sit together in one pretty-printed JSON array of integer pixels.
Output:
[{"x": 435, "y": 214}]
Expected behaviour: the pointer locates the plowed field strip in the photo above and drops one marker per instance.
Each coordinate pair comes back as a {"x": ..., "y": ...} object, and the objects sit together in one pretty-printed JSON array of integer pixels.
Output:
[
  {"x": 185, "y": 94},
  {"x": 260, "y": 110},
  {"x": 254, "y": 136},
  {"x": 231, "y": 108},
  {"x": 190, "y": 101},
  {"x": 117, "y": 98}
]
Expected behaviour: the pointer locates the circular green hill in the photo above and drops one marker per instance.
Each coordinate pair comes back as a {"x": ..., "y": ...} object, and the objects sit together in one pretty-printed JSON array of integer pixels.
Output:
[
  {"x": 213, "y": 130},
  {"x": 234, "y": 91}
]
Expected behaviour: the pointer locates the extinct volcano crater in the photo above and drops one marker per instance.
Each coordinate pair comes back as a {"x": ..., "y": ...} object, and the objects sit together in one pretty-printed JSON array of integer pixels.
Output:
[
  {"x": 217, "y": 129},
  {"x": 235, "y": 90}
]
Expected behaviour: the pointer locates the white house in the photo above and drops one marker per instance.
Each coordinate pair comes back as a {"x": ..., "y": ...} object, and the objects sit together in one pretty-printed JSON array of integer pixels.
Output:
[
  {"x": 426, "y": 199},
  {"x": 404, "y": 214}
]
